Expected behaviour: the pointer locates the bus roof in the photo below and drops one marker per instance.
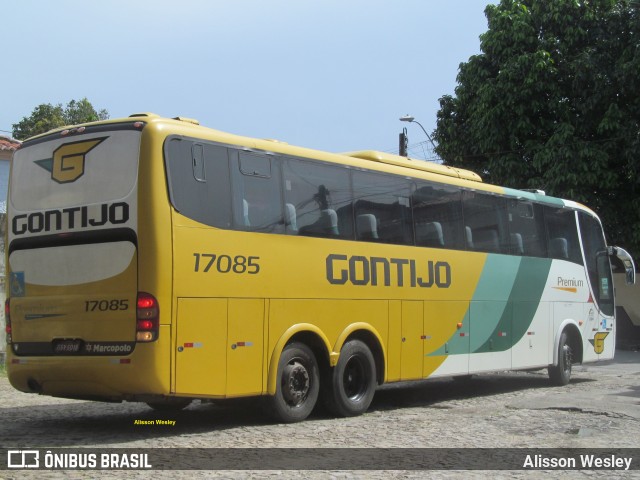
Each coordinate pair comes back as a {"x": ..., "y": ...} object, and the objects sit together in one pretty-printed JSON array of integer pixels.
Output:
[
  {"x": 457, "y": 176},
  {"x": 417, "y": 164}
]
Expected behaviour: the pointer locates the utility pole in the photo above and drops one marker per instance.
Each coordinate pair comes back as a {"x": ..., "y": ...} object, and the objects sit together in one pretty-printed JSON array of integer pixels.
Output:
[{"x": 404, "y": 143}]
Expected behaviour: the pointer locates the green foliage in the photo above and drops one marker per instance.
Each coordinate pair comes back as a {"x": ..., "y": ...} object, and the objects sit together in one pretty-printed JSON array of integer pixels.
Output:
[
  {"x": 552, "y": 102},
  {"x": 46, "y": 117}
]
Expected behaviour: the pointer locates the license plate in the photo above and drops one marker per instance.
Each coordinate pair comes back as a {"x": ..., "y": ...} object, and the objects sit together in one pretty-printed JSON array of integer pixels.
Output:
[{"x": 67, "y": 346}]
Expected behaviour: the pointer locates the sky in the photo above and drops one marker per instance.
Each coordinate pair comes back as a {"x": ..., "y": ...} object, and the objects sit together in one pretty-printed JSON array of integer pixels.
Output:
[{"x": 333, "y": 75}]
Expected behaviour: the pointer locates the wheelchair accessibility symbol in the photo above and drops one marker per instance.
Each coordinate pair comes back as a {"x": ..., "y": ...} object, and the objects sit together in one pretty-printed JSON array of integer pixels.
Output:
[{"x": 16, "y": 284}]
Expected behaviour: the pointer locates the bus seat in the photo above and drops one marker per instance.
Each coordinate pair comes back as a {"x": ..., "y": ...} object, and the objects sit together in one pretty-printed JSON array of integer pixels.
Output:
[
  {"x": 290, "y": 217},
  {"x": 367, "y": 226},
  {"x": 487, "y": 240},
  {"x": 468, "y": 237},
  {"x": 429, "y": 234},
  {"x": 559, "y": 248},
  {"x": 517, "y": 247},
  {"x": 329, "y": 221}
]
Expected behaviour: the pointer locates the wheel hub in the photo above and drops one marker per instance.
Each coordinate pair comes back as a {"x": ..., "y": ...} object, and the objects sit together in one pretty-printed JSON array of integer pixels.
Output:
[
  {"x": 296, "y": 383},
  {"x": 354, "y": 383}
]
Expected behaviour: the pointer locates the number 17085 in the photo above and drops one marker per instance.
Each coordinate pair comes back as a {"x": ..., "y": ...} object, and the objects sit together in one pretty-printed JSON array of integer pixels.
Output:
[
  {"x": 205, "y": 262},
  {"x": 106, "y": 305}
]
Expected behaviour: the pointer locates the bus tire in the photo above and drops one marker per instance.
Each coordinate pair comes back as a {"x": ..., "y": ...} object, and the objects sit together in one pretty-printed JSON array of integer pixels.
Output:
[
  {"x": 560, "y": 374},
  {"x": 352, "y": 383},
  {"x": 298, "y": 384}
]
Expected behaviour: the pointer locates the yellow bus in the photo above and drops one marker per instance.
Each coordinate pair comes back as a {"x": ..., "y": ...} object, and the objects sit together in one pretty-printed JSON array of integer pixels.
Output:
[{"x": 155, "y": 260}]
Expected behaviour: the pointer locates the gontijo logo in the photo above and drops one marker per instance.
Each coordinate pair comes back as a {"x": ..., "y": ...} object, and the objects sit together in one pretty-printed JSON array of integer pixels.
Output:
[
  {"x": 598, "y": 341},
  {"x": 67, "y": 164}
]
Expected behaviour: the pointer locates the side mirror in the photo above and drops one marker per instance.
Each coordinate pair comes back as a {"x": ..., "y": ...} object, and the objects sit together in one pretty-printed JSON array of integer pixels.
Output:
[{"x": 627, "y": 261}]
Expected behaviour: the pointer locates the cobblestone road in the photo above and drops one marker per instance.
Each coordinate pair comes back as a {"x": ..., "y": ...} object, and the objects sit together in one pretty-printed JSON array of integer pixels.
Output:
[{"x": 600, "y": 408}]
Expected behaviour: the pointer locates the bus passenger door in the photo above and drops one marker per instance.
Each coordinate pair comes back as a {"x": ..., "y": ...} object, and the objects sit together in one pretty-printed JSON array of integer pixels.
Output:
[{"x": 200, "y": 351}]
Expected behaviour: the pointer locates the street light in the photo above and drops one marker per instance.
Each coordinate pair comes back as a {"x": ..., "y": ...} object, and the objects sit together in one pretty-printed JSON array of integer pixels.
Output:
[{"x": 409, "y": 118}]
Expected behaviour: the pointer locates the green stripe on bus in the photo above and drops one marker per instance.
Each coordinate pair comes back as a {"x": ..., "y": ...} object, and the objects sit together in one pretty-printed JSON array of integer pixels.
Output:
[
  {"x": 489, "y": 305},
  {"x": 535, "y": 197},
  {"x": 519, "y": 310},
  {"x": 503, "y": 305},
  {"x": 527, "y": 292}
]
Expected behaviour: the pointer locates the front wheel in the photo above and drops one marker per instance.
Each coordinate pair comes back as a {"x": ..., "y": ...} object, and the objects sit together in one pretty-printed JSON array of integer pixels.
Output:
[
  {"x": 560, "y": 374},
  {"x": 353, "y": 381},
  {"x": 298, "y": 384}
]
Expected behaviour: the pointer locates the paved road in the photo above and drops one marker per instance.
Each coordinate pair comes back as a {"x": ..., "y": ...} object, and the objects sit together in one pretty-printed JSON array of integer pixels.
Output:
[{"x": 600, "y": 408}]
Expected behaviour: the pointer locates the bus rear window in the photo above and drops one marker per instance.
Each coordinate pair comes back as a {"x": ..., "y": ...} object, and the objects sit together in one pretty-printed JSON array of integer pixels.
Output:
[{"x": 69, "y": 171}]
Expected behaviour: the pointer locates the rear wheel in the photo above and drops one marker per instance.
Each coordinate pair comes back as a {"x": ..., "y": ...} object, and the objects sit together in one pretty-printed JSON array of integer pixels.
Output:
[
  {"x": 560, "y": 374},
  {"x": 298, "y": 384},
  {"x": 352, "y": 383}
]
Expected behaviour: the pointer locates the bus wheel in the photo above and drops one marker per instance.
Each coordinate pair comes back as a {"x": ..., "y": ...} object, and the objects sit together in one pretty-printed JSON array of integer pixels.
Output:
[
  {"x": 298, "y": 384},
  {"x": 353, "y": 381},
  {"x": 560, "y": 374}
]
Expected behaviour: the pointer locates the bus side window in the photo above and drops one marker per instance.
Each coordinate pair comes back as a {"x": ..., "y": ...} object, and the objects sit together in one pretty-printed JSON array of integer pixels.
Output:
[
  {"x": 319, "y": 197},
  {"x": 257, "y": 201},
  {"x": 597, "y": 262},
  {"x": 382, "y": 208},
  {"x": 526, "y": 227},
  {"x": 198, "y": 177},
  {"x": 437, "y": 216},
  {"x": 486, "y": 217},
  {"x": 562, "y": 234}
]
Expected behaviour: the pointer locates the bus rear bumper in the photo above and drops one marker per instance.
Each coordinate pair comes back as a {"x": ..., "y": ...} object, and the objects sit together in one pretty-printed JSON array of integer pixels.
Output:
[{"x": 91, "y": 378}]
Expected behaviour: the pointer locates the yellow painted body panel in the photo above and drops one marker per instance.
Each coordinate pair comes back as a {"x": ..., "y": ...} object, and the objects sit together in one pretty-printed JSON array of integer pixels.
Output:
[
  {"x": 412, "y": 343},
  {"x": 291, "y": 294},
  {"x": 244, "y": 346},
  {"x": 73, "y": 316},
  {"x": 201, "y": 361}
]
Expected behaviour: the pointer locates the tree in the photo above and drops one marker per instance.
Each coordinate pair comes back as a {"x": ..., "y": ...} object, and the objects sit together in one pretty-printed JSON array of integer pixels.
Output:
[
  {"x": 46, "y": 117},
  {"x": 552, "y": 102}
]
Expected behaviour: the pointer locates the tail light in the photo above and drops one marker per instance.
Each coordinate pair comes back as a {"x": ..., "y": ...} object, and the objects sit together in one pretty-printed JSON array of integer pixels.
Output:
[
  {"x": 7, "y": 320},
  {"x": 147, "y": 318}
]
